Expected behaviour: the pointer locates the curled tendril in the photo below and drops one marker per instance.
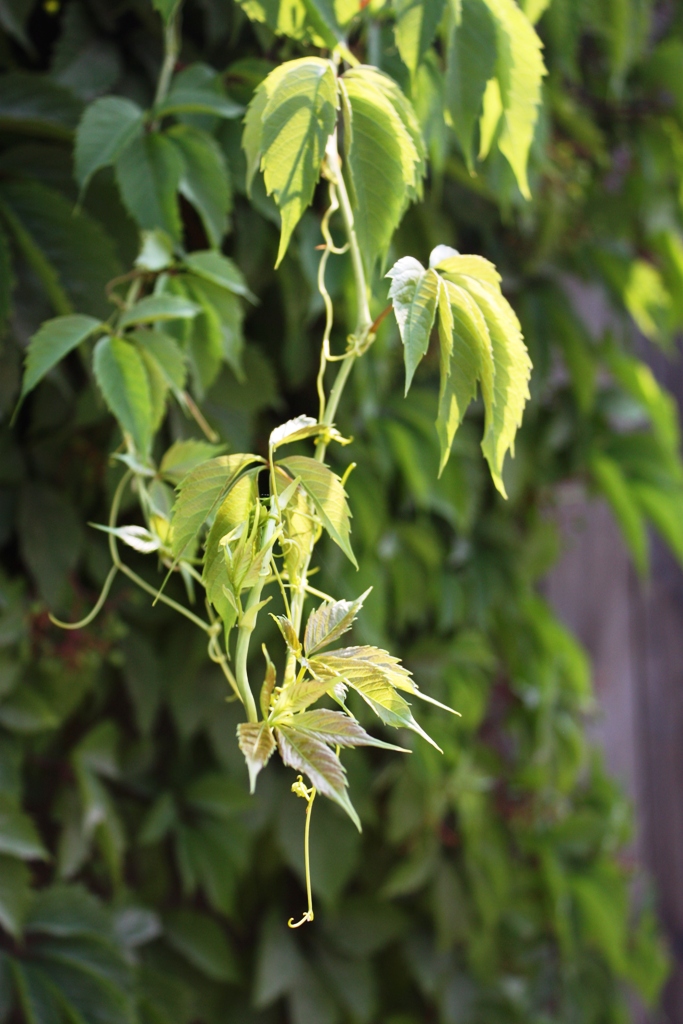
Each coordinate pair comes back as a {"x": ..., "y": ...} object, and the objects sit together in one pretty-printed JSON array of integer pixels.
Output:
[
  {"x": 95, "y": 611},
  {"x": 301, "y": 790},
  {"x": 329, "y": 247}
]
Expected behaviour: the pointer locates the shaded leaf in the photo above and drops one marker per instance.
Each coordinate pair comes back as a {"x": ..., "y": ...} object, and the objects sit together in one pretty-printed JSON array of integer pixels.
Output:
[
  {"x": 158, "y": 307},
  {"x": 148, "y": 172},
  {"x": 107, "y": 127},
  {"x": 120, "y": 374},
  {"x": 204, "y": 181},
  {"x": 203, "y": 943},
  {"x": 201, "y": 492},
  {"x": 54, "y": 340}
]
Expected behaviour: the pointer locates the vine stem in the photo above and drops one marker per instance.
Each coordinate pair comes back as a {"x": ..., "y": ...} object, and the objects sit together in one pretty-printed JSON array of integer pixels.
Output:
[
  {"x": 171, "y": 51},
  {"x": 309, "y": 795}
]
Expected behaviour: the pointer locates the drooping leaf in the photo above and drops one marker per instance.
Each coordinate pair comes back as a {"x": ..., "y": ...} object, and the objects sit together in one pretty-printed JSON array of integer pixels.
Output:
[
  {"x": 238, "y": 507},
  {"x": 330, "y": 621},
  {"x": 414, "y": 292},
  {"x": 158, "y": 307},
  {"x": 201, "y": 492},
  {"x": 54, "y": 340},
  {"x": 520, "y": 71},
  {"x": 325, "y": 490},
  {"x": 376, "y": 676},
  {"x": 416, "y": 25},
  {"x": 107, "y": 127},
  {"x": 305, "y": 753},
  {"x": 204, "y": 181},
  {"x": 148, "y": 172},
  {"x": 334, "y": 728},
  {"x": 471, "y": 63},
  {"x": 384, "y": 156},
  {"x": 257, "y": 744},
  {"x": 121, "y": 376},
  {"x": 296, "y": 121}
]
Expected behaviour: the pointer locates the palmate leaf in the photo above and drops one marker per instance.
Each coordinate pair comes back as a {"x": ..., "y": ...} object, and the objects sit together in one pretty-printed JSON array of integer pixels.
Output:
[
  {"x": 330, "y": 621},
  {"x": 416, "y": 25},
  {"x": 376, "y": 676},
  {"x": 288, "y": 123},
  {"x": 304, "y": 752},
  {"x": 480, "y": 343},
  {"x": 335, "y": 728},
  {"x": 385, "y": 156},
  {"x": 200, "y": 494},
  {"x": 325, "y": 490},
  {"x": 257, "y": 744}
]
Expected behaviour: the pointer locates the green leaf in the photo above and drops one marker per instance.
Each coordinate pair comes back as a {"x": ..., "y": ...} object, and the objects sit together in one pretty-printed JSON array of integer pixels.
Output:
[
  {"x": 415, "y": 28},
  {"x": 481, "y": 339},
  {"x": 471, "y": 63},
  {"x": 34, "y": 105},
  {"x": 305, "y": 753},
  {"x": 375, "y": 675},
  {"x": 70, "y": 253},
  {"x": 184, "y": 456},
  {"x": 38, "y": 998},
  {"x": 325, "y": 490},
  {"x": 26, "y": 712},
  {"x": 217, "y": 795},
  {"x": 330, "y": 621},
  {"x": 334, "y": 728},
  {"x": 284, "y": 17},
  {"x": 18, "y": 834},
  {"x": 65, "y": 911},
  {"x": 107, "y": 127},
  {"x": 156, "y": 250},
  {"x": 203, "y": 943},
  {"x": 122, "y": 379},
  {"x": 296, "y": 120},
  {"x": 182, "y": 99},
  {"x": 205, "y": 181},
  {"x": 201, "y": 492},
  {"x": 15, "y": 894},
  {"x": 219, "y": 270},
  {"x": 257, "y": 744},
  {"x": 54, "y": 340},
  {"x": 148, "y": 173},
  {"x": 615, "y": 488},
  {"x": 217, "y": 332},
  {"x": 158, "y": 307},
  {"x": 664, "y": 508},
  {"x": 414, "y": 292},
  {"x": 520, "y": 71},
  {"x": 384, "y": 156},
  {"x": 167, "y": 355}
]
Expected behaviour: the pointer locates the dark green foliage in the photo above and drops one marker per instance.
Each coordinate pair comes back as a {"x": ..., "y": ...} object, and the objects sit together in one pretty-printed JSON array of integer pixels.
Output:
[{"x": 139, "y": 880}]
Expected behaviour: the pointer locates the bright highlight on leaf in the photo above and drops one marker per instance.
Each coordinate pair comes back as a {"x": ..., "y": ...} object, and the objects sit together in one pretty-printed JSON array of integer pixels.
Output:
[
  {"x": 480, "y": 343},
  {"x": 494, "y": 75},
  {"x": 287, "y": 126}
]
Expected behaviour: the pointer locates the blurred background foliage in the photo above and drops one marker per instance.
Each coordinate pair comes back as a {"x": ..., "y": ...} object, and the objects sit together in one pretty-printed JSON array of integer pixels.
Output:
[{"x": 138, "y": 881}]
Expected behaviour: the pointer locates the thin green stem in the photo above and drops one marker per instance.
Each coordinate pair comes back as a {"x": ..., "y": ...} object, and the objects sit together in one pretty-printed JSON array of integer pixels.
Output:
[
  {"x": 301, "y": 790},
  {"x": 171, "y": 51}
]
